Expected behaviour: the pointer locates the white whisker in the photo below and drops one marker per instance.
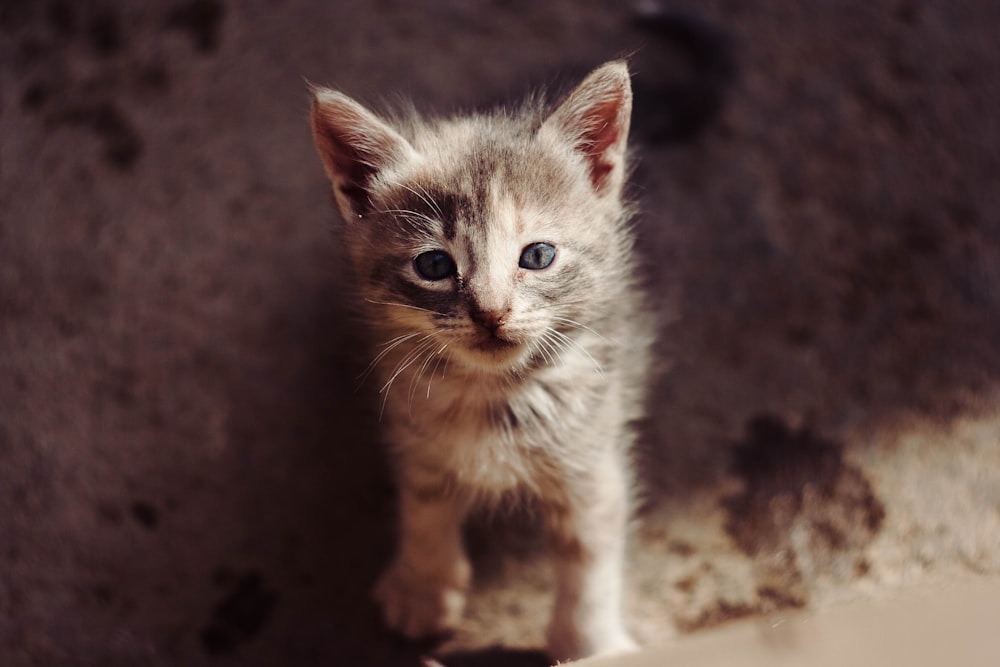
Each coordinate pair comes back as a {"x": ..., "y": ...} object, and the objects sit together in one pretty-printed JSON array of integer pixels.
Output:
[
  {"x": 574, "y": 323},
  {"x": 388, "y": 347},
  {"x": 426, "y": 198},
  {"x": 408, "y": 359},
  {"x": 428, "y": 356},
  {"x": 546, "y": 349},
  {"x": 569, "y": 342},
  {"x": 447, "y": 361},
  {"x": 406, "y": 305},
  {"x": 411, "y": 217},
  {"x": 434, "y": 370}
]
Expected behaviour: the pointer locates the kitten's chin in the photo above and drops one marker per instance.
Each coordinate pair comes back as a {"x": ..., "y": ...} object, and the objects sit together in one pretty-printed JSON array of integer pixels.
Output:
[{"x": 494, "y": 355}]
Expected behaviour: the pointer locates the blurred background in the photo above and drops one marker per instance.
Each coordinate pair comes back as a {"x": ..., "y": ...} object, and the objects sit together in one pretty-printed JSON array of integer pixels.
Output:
[{"x": 188, "y": 473}]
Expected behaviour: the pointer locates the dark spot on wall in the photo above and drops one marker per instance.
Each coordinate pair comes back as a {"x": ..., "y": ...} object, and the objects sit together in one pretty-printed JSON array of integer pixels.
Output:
[
  {"x": 907, "y": 12},
  {"x": 62, "y": 17},
  {"x": 104, "y": 594},
  {"x": 239, "y": 616},
  {"x": 105, "y": 33},
  {"x": 68, "y": 326},
  {"x": 800, "y": 334},
  {"x": 146, "y": 514},
  {"x": 119, "y": 384},
  {"x": 122, "y": 144},
  {"x": 201, "y": 19},
  {"x": 680, "y": 86},
  {"x": 35, "y": 96},
  {"x": 154, "y": 77},
  {"x": 797, "y": 481},
  {"x": 919, "y": 235}
]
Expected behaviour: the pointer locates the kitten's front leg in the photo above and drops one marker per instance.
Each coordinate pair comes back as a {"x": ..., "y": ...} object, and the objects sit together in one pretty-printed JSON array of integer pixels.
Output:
[
  {"x": 590, "y": 554},
  {"x": 422, "y": 593}
]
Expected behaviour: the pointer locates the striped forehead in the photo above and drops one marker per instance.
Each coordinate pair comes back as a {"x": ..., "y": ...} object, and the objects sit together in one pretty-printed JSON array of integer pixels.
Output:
[
  {"x": 434, "y": 210},
  {"x": 462, "y": 211}
]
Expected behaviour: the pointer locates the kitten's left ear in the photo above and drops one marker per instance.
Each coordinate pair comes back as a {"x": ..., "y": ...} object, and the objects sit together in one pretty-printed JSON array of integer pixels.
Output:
[
  {"x": 595, "y": 119},
  {"x": 355, "y": 146}
]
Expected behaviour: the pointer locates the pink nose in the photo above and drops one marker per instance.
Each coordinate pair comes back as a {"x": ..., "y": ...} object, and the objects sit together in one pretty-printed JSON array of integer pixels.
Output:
[{"x": 489, "y": 320}]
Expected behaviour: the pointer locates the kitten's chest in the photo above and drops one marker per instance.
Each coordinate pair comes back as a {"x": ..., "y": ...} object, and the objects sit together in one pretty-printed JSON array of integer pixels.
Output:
[{"x": 488, "y": 437}]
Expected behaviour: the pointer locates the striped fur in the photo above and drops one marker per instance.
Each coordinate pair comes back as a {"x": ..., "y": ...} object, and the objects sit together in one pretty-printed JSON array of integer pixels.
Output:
[{"x": 500, "y": 380}]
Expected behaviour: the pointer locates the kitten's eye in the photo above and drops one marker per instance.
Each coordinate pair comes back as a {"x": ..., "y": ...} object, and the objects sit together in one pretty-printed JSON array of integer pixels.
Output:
[
  {"x": 434, "y": 265},
  {"x": 537, "y": 256}
]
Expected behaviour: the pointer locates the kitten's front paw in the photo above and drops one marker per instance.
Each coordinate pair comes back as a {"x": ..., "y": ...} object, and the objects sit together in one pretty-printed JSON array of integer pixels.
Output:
[
  {"x": 567, "y": 643},
  {"x": 418, "y": 606}
]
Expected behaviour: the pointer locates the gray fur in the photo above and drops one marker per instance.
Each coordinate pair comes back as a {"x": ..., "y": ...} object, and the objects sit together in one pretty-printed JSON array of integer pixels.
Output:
[{"x": 500, "y": 379}]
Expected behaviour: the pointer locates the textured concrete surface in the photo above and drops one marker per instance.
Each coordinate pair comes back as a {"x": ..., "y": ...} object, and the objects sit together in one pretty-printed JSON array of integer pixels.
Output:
[
  {"x": 925, "y": 626},
  {"x": 187, "y": 473}
]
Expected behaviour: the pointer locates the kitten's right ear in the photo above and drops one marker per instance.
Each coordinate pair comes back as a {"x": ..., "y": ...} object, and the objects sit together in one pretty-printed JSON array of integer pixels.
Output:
[
  {"x": 595, "y": 121},
  {"x": 355, "y": 146}
]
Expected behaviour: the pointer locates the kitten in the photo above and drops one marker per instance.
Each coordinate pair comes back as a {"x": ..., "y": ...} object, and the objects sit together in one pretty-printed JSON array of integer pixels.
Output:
[{"x": 494, "y": 256}]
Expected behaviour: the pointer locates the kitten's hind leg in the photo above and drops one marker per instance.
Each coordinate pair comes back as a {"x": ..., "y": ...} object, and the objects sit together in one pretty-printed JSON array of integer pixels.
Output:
[
  {"x": 590, "y": 537},
  {"x": 422, "y": 593}
]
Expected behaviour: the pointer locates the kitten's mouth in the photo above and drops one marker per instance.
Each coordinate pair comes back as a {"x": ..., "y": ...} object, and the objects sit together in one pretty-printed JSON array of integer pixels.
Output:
[
  {"x": 495, "y": 345},
  {"x": 492, "y": 352}
]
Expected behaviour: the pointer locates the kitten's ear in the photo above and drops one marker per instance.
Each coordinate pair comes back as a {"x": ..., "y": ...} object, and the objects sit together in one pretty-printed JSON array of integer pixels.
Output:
[
  {"x": 355, "y": 145},
  {"x": 595, "y": 119}
]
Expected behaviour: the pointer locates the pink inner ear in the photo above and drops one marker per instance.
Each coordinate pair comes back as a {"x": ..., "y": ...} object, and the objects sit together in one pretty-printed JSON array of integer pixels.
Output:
[
  {"x": 602, "y": 134},
  {"x": 350, "y": 154},
  {"x": 349, "y": 169},
  {"x": 344, "y": 161},
  {"x": 354, "y": 145}
]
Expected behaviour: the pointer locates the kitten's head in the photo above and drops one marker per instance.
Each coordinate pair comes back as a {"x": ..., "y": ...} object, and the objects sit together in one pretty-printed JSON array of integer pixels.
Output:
[{"x": 491, "y": 236}]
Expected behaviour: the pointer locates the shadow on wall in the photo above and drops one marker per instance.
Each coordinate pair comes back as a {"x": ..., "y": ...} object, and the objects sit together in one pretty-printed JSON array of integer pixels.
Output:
[{"x": 319, "y": 498}]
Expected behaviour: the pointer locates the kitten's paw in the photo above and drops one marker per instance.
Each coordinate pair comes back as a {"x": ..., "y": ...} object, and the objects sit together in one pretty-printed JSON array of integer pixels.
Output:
[
  {"x": 567, "y": 643},
  {"x": 418, "y": 606}
]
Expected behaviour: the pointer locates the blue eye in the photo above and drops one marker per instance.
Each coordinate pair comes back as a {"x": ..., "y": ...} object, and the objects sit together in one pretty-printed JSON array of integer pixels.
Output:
[
  {"x": 434, "y": 265},
  {"x": 537, "y": 256}
]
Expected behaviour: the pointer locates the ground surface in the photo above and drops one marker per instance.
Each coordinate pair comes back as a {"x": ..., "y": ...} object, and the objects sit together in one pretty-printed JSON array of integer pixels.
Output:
[{"x": 187, "y": 476}]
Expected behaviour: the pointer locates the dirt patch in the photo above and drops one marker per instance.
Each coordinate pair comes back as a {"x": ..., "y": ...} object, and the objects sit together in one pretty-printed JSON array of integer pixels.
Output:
[{"x": 803, "y": 510}]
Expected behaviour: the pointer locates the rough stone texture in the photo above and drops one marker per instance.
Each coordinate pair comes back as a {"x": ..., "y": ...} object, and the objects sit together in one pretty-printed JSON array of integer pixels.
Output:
[{"x": 187, "y": 474}]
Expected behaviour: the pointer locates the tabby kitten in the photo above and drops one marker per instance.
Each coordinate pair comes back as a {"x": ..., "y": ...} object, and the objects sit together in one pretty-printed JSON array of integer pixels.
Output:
[{"x": 494, "y": 256}]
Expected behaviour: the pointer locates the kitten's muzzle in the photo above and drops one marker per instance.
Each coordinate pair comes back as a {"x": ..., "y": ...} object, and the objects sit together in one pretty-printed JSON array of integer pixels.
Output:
[
  {"x": 488, "y": 320},
  {"x": 494, "y": 344},
  {"x": 491, "y": 335}
]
